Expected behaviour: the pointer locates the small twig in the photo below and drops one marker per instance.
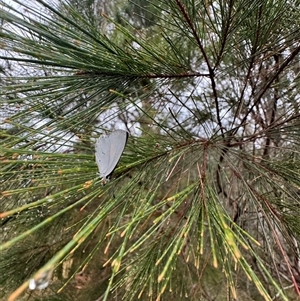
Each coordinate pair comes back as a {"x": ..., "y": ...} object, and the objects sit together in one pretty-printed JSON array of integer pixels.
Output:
[
  {"x": 210, "y": 69},
  {"x": 271, "y": 80}
]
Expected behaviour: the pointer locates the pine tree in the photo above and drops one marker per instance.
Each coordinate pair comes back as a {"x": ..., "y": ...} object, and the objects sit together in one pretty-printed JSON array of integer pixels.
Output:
[{"x": 204, "y": 203}]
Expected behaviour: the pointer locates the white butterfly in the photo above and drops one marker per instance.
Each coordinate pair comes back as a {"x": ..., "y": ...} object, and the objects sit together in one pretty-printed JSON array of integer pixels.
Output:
[{"x": 108, "y": 150}]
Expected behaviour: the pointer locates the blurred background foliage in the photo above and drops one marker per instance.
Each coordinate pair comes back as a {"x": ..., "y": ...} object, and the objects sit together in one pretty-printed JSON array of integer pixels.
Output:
[{"x": 204, "y": 204}]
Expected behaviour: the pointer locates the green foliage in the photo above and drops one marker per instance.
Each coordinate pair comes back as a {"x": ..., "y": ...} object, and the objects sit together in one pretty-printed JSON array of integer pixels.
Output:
[{"x": 206, "y": 194}]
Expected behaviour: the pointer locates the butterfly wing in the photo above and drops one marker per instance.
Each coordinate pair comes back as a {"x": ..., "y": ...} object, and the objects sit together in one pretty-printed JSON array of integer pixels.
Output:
[
  {"x": 109, "y": 149},
  {"x": 117, "y": 142},
  {"x": 102, "y": 154}
]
